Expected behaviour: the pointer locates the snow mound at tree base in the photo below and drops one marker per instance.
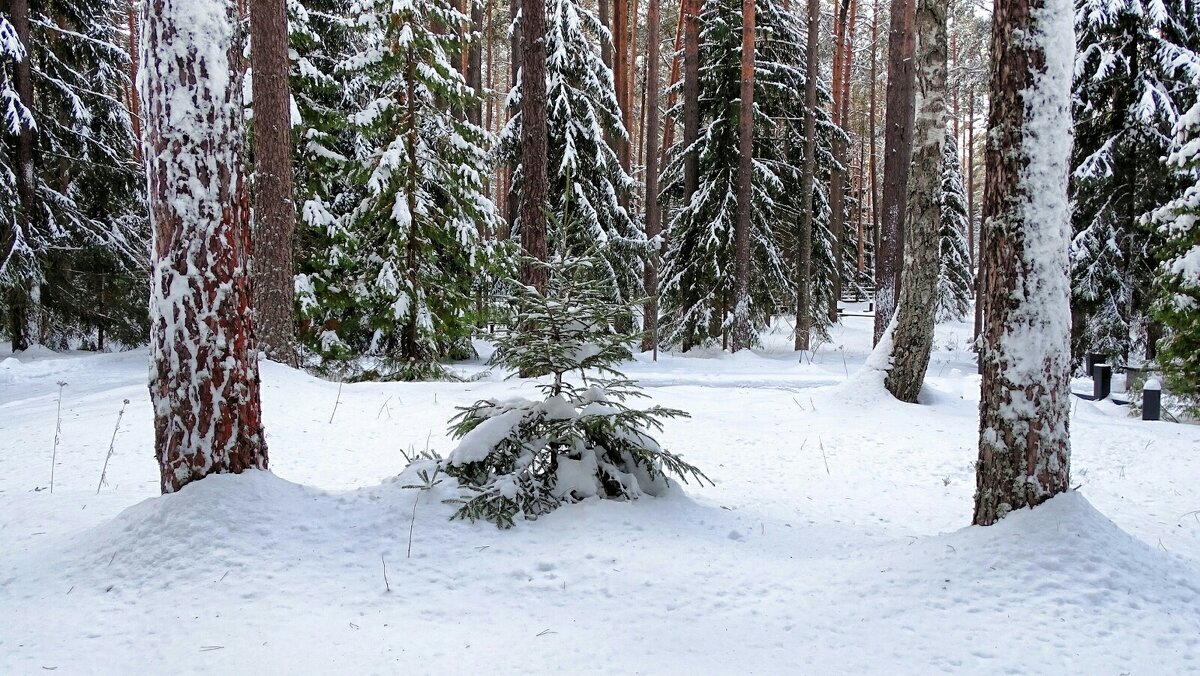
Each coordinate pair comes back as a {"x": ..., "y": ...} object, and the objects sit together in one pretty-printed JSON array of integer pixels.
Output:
[{"x": 251, "y": 573}]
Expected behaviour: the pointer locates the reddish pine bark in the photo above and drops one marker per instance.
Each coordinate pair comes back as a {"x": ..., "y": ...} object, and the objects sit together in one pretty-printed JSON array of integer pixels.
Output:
[
  {"x": 1024, "y": 441},
  {"x": 274, "y": 207},
  {"x": 204, "y": 382},
  {"x": 653, "y": 213}
]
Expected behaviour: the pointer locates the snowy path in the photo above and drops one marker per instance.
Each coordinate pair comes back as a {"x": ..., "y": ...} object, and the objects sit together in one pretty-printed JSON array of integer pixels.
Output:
[{"x": 833, "y": 541}]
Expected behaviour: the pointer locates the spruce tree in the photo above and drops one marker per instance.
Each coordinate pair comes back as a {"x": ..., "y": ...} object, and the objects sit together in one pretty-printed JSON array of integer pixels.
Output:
[
  {"x": 1178, "y": 302},
  {"x": 73, "y": 256},
  {"x": 697, "y": 273},
  {"x": 1101, "y": 292},
  {"x": 581, "y": 111},
  {"x": 1137, "y": 67},
  {"x": 322, "y": 37},
  {"x": 583, "y": 439},
  {"x": 417, "y": 237},
  {"x": 955, "y": 279}
]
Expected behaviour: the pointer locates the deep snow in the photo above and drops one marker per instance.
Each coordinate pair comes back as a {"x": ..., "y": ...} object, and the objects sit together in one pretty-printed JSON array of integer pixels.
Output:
[{"x": 834, "y": 540}]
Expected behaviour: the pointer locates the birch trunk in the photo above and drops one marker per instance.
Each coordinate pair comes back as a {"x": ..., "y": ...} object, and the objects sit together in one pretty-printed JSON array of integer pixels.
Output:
[{"x": 915, "y": 315}]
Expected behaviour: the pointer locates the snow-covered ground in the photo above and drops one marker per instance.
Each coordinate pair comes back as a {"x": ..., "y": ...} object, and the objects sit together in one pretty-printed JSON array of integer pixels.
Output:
[{"x": 834, "y": 541}]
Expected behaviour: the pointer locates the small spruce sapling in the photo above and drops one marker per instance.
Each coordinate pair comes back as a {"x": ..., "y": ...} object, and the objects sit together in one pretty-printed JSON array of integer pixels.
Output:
[{"x": 521, "y": 457}]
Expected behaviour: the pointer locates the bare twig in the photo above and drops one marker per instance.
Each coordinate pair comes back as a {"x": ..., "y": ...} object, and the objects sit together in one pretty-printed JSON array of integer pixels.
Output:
[
  {"x": 386, "y": 586},
  {"x": 111, "y": 444},
  {"x": 411, "y": 523},
  {"x": 57, "y": 434},
  {"x": 336, "y": 402},
  {"x": 823, "y": 457},
  {"x": 383, "y": 408}
]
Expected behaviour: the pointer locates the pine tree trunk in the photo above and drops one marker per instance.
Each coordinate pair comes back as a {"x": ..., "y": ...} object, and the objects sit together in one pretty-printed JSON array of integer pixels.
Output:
[
  {"x": 873, "y": 132},
  {"x": 606, "y": 45},
  {"x": 513, "y": 207},
  {"x": 1024, "y": 445},
  {"x": 804, "y": 317},
  {"x": 691, "y": 95},
  {"x": 135, "y": 113},
  {"x": 274, "y": 206},
  {"x": 204, "y": 382},
  {"x": 653, "y": 212},
  {"x": 897, "y": 154},
  {"x": 18, "y": 294},
  {"x": 620, "y": 35},
  {"x": 916, "y": 312},
  {"x": 474, "y": 69},
  {"x": 669, "y": 130},
  {"x": 533, "y": 140},
  {"x": 741, "y": 233},
  {"x": 838, "y": 178}
]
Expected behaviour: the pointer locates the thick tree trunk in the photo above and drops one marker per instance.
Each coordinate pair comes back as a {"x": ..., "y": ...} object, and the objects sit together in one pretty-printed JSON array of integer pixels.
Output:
[
  {"x": 1024, "y": 445},
  {"x": 897, "y": 149},
  {"x": 691, "y": 95},
  {"x": 653, "y": 212},
  {"x": 274, "y": 207},
  {"x": 804, "y": 317},
  {"x": 912, "y": 339},
  {"x": 204, "y": 381},
  {"x": 740, "y": 337},
  {"x": 533, "y": 140}
]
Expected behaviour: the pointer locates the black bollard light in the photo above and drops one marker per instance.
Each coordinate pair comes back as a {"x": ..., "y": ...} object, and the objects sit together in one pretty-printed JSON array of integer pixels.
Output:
[
  {"x": 1101, "y": 381},
  {"x": 1152, "y": 400}
]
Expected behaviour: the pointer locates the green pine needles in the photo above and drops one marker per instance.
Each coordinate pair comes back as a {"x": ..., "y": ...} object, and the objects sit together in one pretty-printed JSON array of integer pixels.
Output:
[
  {"x": 955, "y": 278},
  {"x": 1178, "y": 303},
  {"x": 582, "y": 439},
  {"x": 415, "y": 232}
]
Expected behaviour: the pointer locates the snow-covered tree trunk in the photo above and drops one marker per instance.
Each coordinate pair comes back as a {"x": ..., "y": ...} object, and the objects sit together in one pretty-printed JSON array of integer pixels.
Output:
[
  {"x": 274, "y": 207},
  {"x": 741, "y": 233},
  {"x": 1024, "y": 446},
  {"x": 18, "y": 293},
  {"x": 897, "y": 154},
  {"x": 913, "y": 336},
  {"x": 804, "y": 318},
  {"x": 204, "y": 376}
]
